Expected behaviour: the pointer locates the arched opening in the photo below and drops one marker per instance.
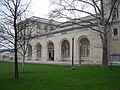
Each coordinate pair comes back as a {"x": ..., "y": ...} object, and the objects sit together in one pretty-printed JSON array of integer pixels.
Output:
[
  {"x": 50, "y": 51},
  {"x": 84, "y": 49},
  {"x": 38, "y": 51},
  {"x": 29, "y": 52},
  {"x": 65, "y": 50}
]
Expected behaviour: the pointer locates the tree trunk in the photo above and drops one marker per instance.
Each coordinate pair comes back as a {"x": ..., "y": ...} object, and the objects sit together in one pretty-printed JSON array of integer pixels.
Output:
[
  {"x": 16, "y": 59},
  {"x": 104, "y": 38},
  {"x": 105, "y": 55},
  {"x": 15, "y": 45},
  {"x": 23, "y": 64}
]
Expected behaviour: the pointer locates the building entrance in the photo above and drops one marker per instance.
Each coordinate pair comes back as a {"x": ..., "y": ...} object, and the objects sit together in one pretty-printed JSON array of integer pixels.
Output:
[{"x": 50, "y": 51}]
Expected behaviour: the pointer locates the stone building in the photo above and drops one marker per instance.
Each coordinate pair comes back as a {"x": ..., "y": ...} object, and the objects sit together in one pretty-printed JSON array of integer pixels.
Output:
[{"x": 55, "y": 41}]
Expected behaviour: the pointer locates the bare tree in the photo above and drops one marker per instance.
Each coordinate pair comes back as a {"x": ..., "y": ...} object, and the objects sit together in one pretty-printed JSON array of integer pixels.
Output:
[
  {"x": 26, "y": 29},
  {"x": 101, "y": 11},
  {"x": 12, "y": 12}
]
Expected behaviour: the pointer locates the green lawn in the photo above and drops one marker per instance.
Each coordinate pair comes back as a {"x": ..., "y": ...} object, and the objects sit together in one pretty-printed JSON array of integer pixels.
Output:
[{"x": 59, "y": 77}]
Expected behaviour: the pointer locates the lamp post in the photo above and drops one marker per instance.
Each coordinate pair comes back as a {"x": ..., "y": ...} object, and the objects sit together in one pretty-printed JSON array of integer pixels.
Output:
[
  {"x": 72, "y": 51},
  {"x": 80, "y": 53}
]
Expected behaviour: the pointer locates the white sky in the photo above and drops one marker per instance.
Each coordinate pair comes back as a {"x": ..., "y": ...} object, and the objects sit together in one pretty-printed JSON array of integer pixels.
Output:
[{"x": 40, "y": 8}]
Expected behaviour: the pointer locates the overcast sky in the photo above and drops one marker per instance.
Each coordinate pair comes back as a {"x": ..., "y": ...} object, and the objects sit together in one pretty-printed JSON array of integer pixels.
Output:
[{"x": 40, "y": 8}]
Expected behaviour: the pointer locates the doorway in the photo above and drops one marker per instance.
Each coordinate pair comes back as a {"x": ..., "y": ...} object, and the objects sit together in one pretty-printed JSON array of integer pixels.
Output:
[{"x": 50, "y": 51}]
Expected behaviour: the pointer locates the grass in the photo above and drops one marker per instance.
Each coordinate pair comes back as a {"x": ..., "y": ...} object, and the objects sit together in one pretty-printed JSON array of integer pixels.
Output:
[{"x": 59, "y": 77}]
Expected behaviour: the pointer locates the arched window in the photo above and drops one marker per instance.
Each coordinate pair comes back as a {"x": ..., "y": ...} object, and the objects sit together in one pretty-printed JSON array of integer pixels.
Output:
[
  {"x": 38, "y": 51},
  {"x": 84, "y": 47},
  {"x": 115, "y": 13},
  {"x": 29, "y": 51},
  {"x": 65, "y": 49}
]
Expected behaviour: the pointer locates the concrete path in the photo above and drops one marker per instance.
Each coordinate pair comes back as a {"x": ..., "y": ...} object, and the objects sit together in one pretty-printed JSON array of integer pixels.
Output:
[
  {"x": 50, "y": 62},
  {"x": 60, "y": 62},
  {"x": 64, "y": 62}
]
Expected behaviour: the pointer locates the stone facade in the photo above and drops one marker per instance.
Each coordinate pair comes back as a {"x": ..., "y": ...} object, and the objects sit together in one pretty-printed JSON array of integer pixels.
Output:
[
  {"x": 54, "y": 41},
  {"x": 57, "y": 44}
]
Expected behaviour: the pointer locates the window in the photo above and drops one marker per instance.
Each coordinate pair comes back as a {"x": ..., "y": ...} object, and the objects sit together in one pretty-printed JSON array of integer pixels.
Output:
[
  {"x": 115, "y": 13},
  {"x": 38, "y": 27},
  {"x": 115, "y": 32},
  {"x": 38, "y": 49},
  {"x": 29, "y": 51},
  {"x": 45, "y": 28},
  {"x": 65, "y": 49},
  {"x": 85, "y": 50}
]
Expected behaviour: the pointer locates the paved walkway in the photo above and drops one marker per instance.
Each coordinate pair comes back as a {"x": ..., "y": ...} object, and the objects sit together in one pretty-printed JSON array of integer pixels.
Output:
[
  {"x": 55, "y": 62},
  {"x": 50, "y": 62},
  {"x": 63, "y": 62},
  {"x": 60, "y": 62}
]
